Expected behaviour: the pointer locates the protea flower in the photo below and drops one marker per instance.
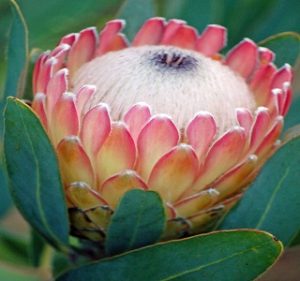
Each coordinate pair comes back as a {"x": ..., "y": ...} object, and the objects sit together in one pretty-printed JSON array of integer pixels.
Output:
[{"x": 166, "y": 112}]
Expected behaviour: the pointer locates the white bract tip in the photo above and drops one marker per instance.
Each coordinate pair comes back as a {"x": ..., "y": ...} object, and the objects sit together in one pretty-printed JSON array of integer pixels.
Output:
[
  {"x": 252, "y": 158},
  {"x": 72, "y": 139}
]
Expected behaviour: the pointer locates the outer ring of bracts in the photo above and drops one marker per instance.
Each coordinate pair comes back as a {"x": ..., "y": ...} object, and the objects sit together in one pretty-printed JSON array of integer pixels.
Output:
[{"x": 198, "y": 172}]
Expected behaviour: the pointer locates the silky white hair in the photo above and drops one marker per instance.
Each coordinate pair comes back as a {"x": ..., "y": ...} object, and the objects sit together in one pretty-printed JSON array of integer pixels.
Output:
[{"x": 171, "y": 80}]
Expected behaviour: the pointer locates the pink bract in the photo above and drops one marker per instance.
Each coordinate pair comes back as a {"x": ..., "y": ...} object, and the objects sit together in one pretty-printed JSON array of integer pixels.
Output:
[{"x": 199, "y": 171}]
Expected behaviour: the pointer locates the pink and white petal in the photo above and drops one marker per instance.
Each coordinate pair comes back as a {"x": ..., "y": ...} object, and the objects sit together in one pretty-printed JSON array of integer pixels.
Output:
[
  {"x": 289, "y": 96},
  {"x": 116, "y": 186},
  {"x": 150, "y": 33},
  {"x": 266, "y": 56},
  {"x": 84, "y": 94},
  {"x": 212, "y": 40},
  {"x": 60, "y": 53},
  {"x": 225, "y": 153},
  {"x": 57, "y": 85},
  {"x": 74, "y": 163},
  {"x": 261, "y": 82},
  {"x": 136, "y": 117},
  {"x": 36, "y": 71},
  {"x": 96, "y": 126},
  {"x": 268, "y": 143},
  {"x": 64, "y": 121},
  {"x": 38, "y": 105},
  {"x": 83, "y": 49},
  {"x": 156, "y": 138},
  {"x": 117, "y": 153},
  {"x": 200, "y": 133},
  {"x": 243, "y": 58},
  {"x": 184, "y": 37},
  {"x": 108, "y": 36},
  {"x": 284, "y": 74},
  {"x": 58, "y": 49},
  {"x": 244, "y": 118},
  {"x": 171, "y": 28},
  {"x": 194, "y": 204},
  {"x": 273, "y": 105},
  {"x": 83, "y": 196},
  {"x": 280, "y": 96},
  {"x": 232, "y": 181},
  {"x": 69, "y": 39},
  {"x": 261, "y": 125},
  {"x": 174, "y": 172},
  {"x": 36, "y": 85},
  {"x": 119, "y": 42},
  {"x": 44, "y": 74}
]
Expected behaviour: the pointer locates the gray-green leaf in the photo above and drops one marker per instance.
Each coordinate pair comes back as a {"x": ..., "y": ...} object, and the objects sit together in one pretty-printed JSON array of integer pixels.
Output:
[
  {"x": 34, "y": 175},
  {"x": 272, "y": 203},
  {"x": 223, "y": 256},
  {"x": 138, "y": 221}
]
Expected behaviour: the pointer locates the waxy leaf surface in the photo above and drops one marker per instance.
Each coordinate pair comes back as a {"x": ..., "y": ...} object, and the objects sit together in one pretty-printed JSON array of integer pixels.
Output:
[
  {"x": 272, "y": 203},
  {"x": 17, "y": 55},
  {"x": 34, "y": 176},
  {"x": 138, "y": 221},
  {"x": 222, "y": 256}
]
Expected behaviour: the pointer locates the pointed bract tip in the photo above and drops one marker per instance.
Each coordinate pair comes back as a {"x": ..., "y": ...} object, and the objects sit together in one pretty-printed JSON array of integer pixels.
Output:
[
  {"x": 276, "y": 91},
  {"x": 68, "y": 96},
  {"x": 161, "y": 116},
  {"x": 213, "y": 192},
  {"x": 237, "y": 129},
  {"x": 39, "y": 96},
  {"x": 120, "y": 22},
  {"x": 286, "y": 85},
  {"x": 261, "y": 109},
  {"x": 79, "y": 184},
  {"x": 252, "y": 158},
  {"x": 71, "y": 139}
]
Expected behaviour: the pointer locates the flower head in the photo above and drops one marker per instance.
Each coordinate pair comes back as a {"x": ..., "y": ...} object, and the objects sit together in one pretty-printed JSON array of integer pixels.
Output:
[{"x": 167, "y": 113}]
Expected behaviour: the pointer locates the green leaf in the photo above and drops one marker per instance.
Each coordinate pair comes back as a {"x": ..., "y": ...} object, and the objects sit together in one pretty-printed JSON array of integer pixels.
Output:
[
  {"x": 34, "y": 175},
  {"x": 9, "y": 274},
  {"x": 296, "y": 240},
  {"x": 36, "y": 248},
  {"x": 293, "y": 117},
  {"x": 60, "y": 263},
  {"x": 196, "y": 13},
  {"x": 13, "y": 249},
  {"x": 5, "y": 24},
  {"x": 138, "y": 221},
  {"x": 17, "y": 54},
  {"x": 256, "y": 19},
  {"x": 135, "y": 12},
  {"x": 5, "y": 198},
  {"x": 242, "y": 17},
  {"x": 283, "y": 16},
  {"x": 286, "y": 46},
  {"x": 222, "y": 256},
  {"x": 48, "y": 20},
  {"x": 272, "y": 203}
]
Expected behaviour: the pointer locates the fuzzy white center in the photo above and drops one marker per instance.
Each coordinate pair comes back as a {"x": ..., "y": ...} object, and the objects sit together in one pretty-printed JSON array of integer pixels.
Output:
[{"x": 171, "y": 80}]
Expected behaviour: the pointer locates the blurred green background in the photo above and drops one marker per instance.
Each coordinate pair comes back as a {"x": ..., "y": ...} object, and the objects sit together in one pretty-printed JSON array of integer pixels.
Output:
[{"x": 48, "y": 21}]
